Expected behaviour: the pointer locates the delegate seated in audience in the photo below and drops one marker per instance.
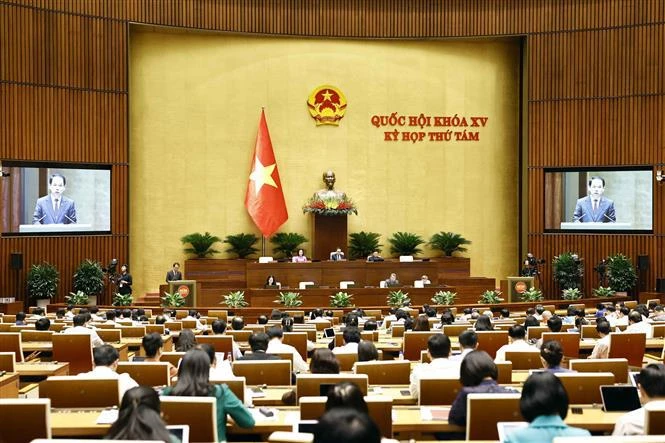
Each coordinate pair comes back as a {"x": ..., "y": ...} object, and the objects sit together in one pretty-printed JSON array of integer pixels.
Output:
[
  {"x": 602, "y": 347},
  {"x": 323, "y": 361},
  {"x": 37, "y": 313},
  {"x": 106, "y": 359},
  {"x": 80, "y": 327},
  {"x": 636, "y": 324},
  {"x": 161, "y": 320},
  {"x": 186, "y": 341},
  {"x": 258, "y": 342},
  {"x": 346, "y": 395},
  {"x": 620, "y": 318},
  {"x": 422, "y": 323},
  {"x": 316, "y": 316},
  {"x": 69, "y": 313},
  {"x": 346, "y": 425},
  {"x": 218, "y": 328},
  {"x": 447, "y": 318},
  {"x": 571, "y": 313},
  {"x": 517, "y": 336},
  {"x": 551, "y": 354},
  {"x": 579, "y": 322},
  {"x": 94, "y": 313},
  {"x": 237, "y": 324},
  {"x": 658, "y": 313},
  {"x": 545, "y": 316},
  {"x": 110, "y": 318},
  {"x": 468, "y": 341},
  {"x": 504, "y": 314},
  {"x": 152, "y": 346},
  {"x": 193, "y": 314},
  {"x": 20, "y": 319},
  {"x": 554, "y": 324},
  {"x": 262, "y": 320},
  {"x": 483, "y": 323},
  {"x": 528, "y": 322},
  {"x": 351, "y": 337},
  {"x": 370, "y": 325},
  {"x": 544, "y": 404},
  {"x": 275, "y": 346},
  {"x": 139, "y": 418},
  {"x": 219, "y": 370},
  {"x": 367, "y": 351},
  {"x": 652, "y": 389},
  {"x": 438, "y": 349},
  {"x": 60, "y": 314},
  {"x": 42, "y": 324},
  {"x": 194, "y": 381},
  {"x": 478, "y": 374}
]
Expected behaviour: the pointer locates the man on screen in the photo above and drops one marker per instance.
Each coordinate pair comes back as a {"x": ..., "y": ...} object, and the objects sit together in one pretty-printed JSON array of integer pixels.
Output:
[
  {"x": 595, "y": 207},
  {"x": 55, "y": 207}
]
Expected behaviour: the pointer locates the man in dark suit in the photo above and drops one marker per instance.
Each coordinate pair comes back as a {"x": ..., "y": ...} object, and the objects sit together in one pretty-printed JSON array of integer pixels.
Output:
[
  {"x": 259, "y": 344},
  {"x": 595, "y": 207},
  {"x": 55, "y": 207},
  {"x": 174, "y": 274}
]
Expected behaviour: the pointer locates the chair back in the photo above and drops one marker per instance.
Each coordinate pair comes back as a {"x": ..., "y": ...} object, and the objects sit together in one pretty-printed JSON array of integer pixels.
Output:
[
  {"x": 455, "y": 330},
  {"x": 308, "y": 385},
  {"x": 173, "y": 325},
  {"x": 505, "y": 370},
  {"x": 369, "y": 335},
  {"x": 569, "y": 341},
  {"x": 414, "y": 342},
  {"x": 25, "y": 419},
  {"x": 589, "y": 331},
  {"x": 658, "y": 330},
  {"x": 75, "y": 349},
  {"x": 388, "y": 372},
  {"x": 237, "y": 385},
  {"x": 57, "y": 327},
  {"x": 654, "y": 418},
  {"x": 221, "y": 343},
  {"x": 484, "y": 411},
  {"x": 148, "y": 373},
  {"x": 7, "y": 361},
  {"x": 438, "y": 391},
  {"x": 376, "y": 313},
  {"x": 110, "y": 335},
  {"x": 628, "y": 345},
  {"x": 346, "y": 360},
  {"x": 221, "y": 315},
  {"x": 617, "y": 366},
  {"x": 397, "y": 329},
  {"x": 259, "y": 372},
  {"x": 298, "y": 340},
  {"x": 584, "y": 388},
  {"x": 380, "y": 411},
  {"x": 181, "y": 313},
  {"x": 524, "y": 359},
  {"x": 172, "y": 357},
  {"x": 133, "y": 331},
  {"x": 534, "y": 332},
  {"x": 199, "y": 413},
  {"x": 70, "y": 391},
  {"x": 149, "y": 329},
  {"x": 242, "y": 335},
  {"x": 11, "y": 342},
  {"x": 491, "y": 341}
]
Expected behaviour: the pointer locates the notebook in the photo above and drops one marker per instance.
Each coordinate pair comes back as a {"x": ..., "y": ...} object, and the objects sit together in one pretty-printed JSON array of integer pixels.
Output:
[
  {"x": 506, "y": 427},
  {"x": 179, "y": 431},
  {"x": 620, "y": 398}
]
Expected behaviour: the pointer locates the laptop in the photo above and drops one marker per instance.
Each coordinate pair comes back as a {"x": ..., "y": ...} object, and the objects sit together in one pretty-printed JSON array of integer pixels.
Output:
[
  {"x": 634, "y": 378},
  {"x": 179, "y": 431},
  {"x": 505, "y": 428},
  {"x": 620, "y": 398},
  {"x": 329, "y": 332},
  {"x": 305, "y": 426}
]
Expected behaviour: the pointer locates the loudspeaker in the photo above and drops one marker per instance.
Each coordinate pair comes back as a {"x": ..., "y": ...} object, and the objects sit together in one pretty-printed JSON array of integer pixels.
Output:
[
  {"x": 660, "y": 285},
  {"x": 16, "y": 260},
  {"x": 643, "y": 262}
]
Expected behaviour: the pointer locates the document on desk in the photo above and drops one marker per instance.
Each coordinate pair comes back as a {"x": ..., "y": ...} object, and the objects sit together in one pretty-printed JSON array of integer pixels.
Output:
[
  {"x": 428, "y": 413},
  {"x": 107, "y": 417}
]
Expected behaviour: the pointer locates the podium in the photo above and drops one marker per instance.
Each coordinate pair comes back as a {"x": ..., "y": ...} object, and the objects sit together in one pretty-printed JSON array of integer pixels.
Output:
[
  {"x": 513, "y": 287},
  {"x": 186, "y": 288},
  {"x": 329, "y": 232}
]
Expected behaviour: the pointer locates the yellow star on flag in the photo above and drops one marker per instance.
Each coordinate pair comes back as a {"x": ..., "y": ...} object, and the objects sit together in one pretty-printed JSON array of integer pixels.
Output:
[{"x": 262, "y": 175}]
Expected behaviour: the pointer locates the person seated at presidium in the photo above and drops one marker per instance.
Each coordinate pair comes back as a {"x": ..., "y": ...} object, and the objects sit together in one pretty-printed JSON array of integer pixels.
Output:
[
  {"x": 300, "y": 257},
  {"x": 595, "y": 207},
  {"x": 337, "y": 255},
  {"x": 374, "y": 256},
  {"x": 392, "y": 281},
  {"x": 174, "y": 274},
  {"x": 55, "y": 208},
  {"x": 271, "y": 282}
]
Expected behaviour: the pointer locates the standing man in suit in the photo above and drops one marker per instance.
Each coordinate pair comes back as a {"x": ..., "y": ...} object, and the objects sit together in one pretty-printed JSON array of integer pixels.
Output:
[
  {"x": 55, "y": 207},
  {"x": 174, "y": 274},
  {"x": 595, "y": 207}
]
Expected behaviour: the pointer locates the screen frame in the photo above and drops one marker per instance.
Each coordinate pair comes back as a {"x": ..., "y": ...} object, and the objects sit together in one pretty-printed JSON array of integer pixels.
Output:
[
  {"x": 63, "y": 165},
  {"x": 623, "y": 168}
]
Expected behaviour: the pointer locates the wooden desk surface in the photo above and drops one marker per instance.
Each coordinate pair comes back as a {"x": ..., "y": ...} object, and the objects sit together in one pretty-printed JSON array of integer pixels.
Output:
[
  {"x": 42, "y": 369},
  {"x": 9, "y": 385}
]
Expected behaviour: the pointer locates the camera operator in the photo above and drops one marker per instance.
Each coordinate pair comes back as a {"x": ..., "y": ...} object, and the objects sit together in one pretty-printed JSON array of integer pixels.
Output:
[{"x": 601, "y": 269}]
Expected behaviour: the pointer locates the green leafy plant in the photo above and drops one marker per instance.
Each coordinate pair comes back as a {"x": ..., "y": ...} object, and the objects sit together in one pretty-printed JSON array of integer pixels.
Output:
[
  {"x": 235, "y": 299},
  {"x": 571, "y": 294},
  {"x": 362, "y": 244},
  {"x": 89, "y": 278},
  {"x": 77, "y": 298},
  {"x": 289, "y": 299},
  {"x": 444, "y": 298},
  {"x": 241, "y": 245},
  {"x": 568, "y": 270},
  {"x": 287, "y": 243},
  {"x": 121, "y": 299},
  {"x": 201, "y": 244},
  {"x": 172, "y": 300},
  {"x": 532, "y": 294},
  {"x": 604, "y": 292},
  {"x": 405, "y": 243},
  {"x": 42, "y": 281},
  {"x": 621, "y": 274},
  {"x": 341, "y": 300},
  {"x": 448, "y": 243},
  {"x": 490, "y": 297},
  {"x": 397, "y": 299}
]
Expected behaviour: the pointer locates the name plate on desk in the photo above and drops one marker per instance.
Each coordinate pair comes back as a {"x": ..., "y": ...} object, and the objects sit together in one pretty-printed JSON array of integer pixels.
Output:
[{"x": 55, "y": 227}]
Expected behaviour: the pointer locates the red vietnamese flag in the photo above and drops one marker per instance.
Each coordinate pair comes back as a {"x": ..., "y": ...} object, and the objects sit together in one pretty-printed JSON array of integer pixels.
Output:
[{"x": 264, "y": 198}]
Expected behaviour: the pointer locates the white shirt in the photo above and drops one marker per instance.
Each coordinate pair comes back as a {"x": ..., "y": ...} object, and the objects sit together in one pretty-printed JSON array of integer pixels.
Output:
[
  {"x": 125, "y": 382},
  {"x": 349, "y": 348},
  {"x": 96, "y": 341},
  {"x": 515, "y": 346},
  {"x": 602, "y": 348},
  {"x": 619, "y": 321},
  {"x": 459, "y": 357},
  {"x": 275, "y": 346},
  {"x": 643, "y": 327},
  {"x": 632, "y": 423},
  {"x": 439, "y": 368}
]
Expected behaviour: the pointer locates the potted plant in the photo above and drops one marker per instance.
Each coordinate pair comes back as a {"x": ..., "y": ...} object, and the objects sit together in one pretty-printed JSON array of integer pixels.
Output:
[
  {"x": 201, "y": 244},
  {"x": 235, "y": 300},
  {"x": 405, "y": 243},
  {"x": 448, "y": 243},
  {"x": 621, "y": 275},
  {"x": 89, "y": 279},
  {"x": 398, "y": 299},
  {"x": 444, "y": 298},
  {"x": 172, "y": 300},
  {"x": 287, "y": 243},
  {"x": 42, "y": 282},
  {"x": 490, "y": 297},
  {"x": 121, "y": 299},
  {"x": 568, "y": 270},
  {"x": 571, "y": 294},
  {"x": 362, "y": 244},
  {"x": 532, "y": 294},
  {"x": 289, "y": 299},
  {"x": 604, "y": 292},
  {"x": 77, "y": 298},
  {"x": 241, "y": 245},
  {"x": 341, "y": 299}
]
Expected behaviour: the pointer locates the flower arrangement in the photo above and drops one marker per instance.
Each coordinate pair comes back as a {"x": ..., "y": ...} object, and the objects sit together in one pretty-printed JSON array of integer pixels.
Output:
[{"x": 330, "y": 206}]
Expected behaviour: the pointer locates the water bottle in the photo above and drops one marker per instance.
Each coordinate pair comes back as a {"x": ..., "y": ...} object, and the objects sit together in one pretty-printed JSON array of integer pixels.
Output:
[{"x": 401, "y": 355}]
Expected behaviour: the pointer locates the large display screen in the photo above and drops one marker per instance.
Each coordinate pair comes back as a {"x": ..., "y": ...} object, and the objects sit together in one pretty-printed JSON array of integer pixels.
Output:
[
  {"x": 42, "y": 198},
  {"x": 599, "y": 199}
]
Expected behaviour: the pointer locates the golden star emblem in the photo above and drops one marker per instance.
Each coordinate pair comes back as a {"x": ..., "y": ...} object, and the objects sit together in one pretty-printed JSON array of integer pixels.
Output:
[
  {"x": 262, "y": 175},
  {"x": 327, "y": 95}
]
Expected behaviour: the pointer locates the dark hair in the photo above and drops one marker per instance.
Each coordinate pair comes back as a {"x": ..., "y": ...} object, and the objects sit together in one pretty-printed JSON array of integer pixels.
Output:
[
  {"x": 652, "y": 380},
  {"x": 483, "y": 323},
  {"x": 571, "y": 310},
  {"x": 275, "y": 332},
  {"x": 351, "y": 335},
  {"x": 517, "y": 332},
  {"x": 208, "y": 349},
  {"x": 370, "y": 325},
  {"x": 268, "y": 280},
  {"x": 422, "y": 323},
  {"x": 580, "y": 321},
  {"x": 186, "y": 341},
  {"x": 540, "y": 309},
  {"x": 603, "y": 327},
  {"x": 52, "y": 176},
  {"x": 531, "y": 311},
  {"x": 42, "y": 324},
  {"x": 447, "y": 318},
  {"x": 60, "y": 313},
  {"x": 262, "y": 320},
  {"x": 552, "y": 353},
  {"x": 160, "y": 320},
  {"x": 430, "y": 312},
  {"x": 635, "y": 317},
  {"x": 152, "y": 343},
  {"x": 346, "y": 395},
  {"x": 194, "y": 375},
  {"x": 105, "y": 355},
  {"x": 110, "y": 315},
  {"x": 351, "y": 319},
  {"x": 476, "y": 366},
  {"x": 324, "y": 362},
  {"x": 401, "y": 314},
  {"x": 287, "y": 324},
  {"x": 174, "y": 264},
  {"x": 438, "y": 345},
  {"x": 625, "y": 310},
  {"x": 139, "y": 417},
  {"x": 237, "y": 323},
  {"x": 275, "y": 314},
  {"x": 79, "y": 320},
  {"x": 218, "y": 326},
  {"x": 408, "y": 324},
  {"x": 367, "y": 351},
  {"x": 193, "y": 313},
  {"x": 596, "y": 177},
  {"x": 38, "y": 311},
  {"x": 346, "y": 425},
  {"x": 259, "y": 341},
  {"x": 505, "y": 313},
  {"x": 554, "y": 323},
  {"x": 543, "y": 394},
  {"x": 468, "y": 339},
  {"x": 530, "y": 320}
]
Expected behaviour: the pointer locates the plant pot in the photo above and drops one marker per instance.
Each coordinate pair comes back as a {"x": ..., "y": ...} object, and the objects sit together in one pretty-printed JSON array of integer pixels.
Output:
[
  {"x": 43, "y": 302},
  {"x": 92, "y": 300}
]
